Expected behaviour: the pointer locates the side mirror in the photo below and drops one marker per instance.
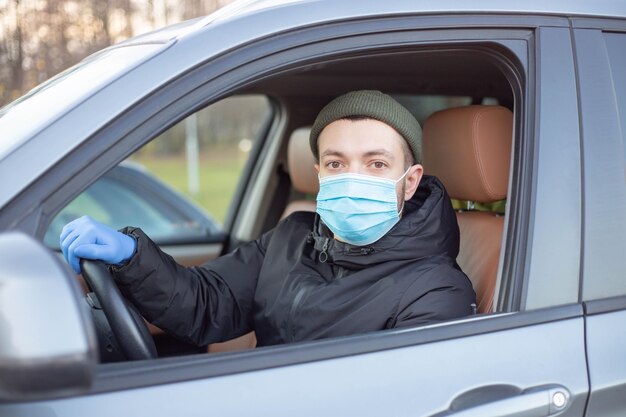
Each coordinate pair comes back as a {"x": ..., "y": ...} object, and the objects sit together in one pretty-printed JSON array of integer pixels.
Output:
[{"x": 47, "y": 339}]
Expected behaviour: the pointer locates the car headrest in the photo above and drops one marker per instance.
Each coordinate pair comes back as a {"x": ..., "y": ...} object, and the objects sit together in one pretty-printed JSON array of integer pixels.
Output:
[
  {"x": 300, "y": 160},
  {"x": 469, "y": 150}
]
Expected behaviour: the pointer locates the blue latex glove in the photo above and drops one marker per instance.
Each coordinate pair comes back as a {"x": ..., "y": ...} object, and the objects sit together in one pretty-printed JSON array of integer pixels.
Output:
[{"x": 86, "y": 238}]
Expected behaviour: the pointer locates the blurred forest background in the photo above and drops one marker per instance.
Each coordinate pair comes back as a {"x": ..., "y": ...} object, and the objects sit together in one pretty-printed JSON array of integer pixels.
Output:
[{"x": 40, "y": 38}]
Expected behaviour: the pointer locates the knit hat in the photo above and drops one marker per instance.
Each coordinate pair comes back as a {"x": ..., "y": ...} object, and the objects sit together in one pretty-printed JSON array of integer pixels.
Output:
[{"x": 373, "y": 104}]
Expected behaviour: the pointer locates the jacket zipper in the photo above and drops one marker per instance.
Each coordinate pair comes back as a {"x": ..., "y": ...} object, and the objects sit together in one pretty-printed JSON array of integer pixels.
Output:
[
  {"x": 324, "y": 253},
  {"x": 291, "y": 330},
  {"x": 297, "y": 300}
]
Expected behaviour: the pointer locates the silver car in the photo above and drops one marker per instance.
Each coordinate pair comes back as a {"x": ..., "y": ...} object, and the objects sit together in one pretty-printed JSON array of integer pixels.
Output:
[{"x": 549, "y": 338}]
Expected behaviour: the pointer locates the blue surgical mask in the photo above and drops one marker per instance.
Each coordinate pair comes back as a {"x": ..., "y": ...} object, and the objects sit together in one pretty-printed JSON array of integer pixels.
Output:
[{"x": 358, "y": 209}]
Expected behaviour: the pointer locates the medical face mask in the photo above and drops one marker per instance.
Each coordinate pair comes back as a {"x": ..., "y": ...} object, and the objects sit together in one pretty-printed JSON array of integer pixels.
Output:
[{"x": 359, "y": 209}]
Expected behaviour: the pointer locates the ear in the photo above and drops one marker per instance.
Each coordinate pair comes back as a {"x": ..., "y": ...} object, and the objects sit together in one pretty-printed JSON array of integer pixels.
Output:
[
  {"x": 317, "y": 168},
  {"x": 412, "y": 181}
]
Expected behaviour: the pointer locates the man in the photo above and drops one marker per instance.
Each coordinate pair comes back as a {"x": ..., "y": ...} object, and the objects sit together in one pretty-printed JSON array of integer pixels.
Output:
[{"x": 379, "y": 254}]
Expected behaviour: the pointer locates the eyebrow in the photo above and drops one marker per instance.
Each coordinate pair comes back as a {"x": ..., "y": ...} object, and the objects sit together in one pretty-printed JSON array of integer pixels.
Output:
[
  {"x": 381, "y": 152},
  {"x": 374, "y": 152},
  {"x": 331, "y": 152}
]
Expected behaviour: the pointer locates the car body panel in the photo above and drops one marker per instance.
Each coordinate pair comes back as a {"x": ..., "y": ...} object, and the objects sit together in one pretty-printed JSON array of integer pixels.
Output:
[
  {"x": 601, "y": 77},
  {"x": 604, "y": 170},
  {"x": 556, "y": 139},
  {"x": 606, "y": 344},
  {"x": 402, "y": 381}
]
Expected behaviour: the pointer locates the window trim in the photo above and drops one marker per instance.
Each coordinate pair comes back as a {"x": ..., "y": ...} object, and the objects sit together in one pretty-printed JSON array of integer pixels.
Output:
[{"x": 605, "y": 305}]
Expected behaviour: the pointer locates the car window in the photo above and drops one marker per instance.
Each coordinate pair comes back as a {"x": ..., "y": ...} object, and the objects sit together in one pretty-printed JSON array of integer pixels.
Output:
[
  {"x": 203, "y": 156},
  {"x": 101, "y": 201},
  {"x": 178, "y": 187}
]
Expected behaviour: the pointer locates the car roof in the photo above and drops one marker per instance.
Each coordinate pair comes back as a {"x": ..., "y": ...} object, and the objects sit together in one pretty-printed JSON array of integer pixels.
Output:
[
  {"x": 359, "y": 8},
  {"x": 338, "y": 9}
]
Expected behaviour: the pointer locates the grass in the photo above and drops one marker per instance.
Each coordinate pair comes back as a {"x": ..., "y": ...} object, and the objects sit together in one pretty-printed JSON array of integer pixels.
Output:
[{"x": 219, "y": 175}]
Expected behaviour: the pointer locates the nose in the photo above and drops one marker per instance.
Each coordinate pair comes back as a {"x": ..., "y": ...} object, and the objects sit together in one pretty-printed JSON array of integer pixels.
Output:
[{"x": 356, "y": 168}]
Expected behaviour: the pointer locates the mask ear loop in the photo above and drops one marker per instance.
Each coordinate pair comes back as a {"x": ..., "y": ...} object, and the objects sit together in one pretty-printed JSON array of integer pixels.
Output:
[
  {"x": 400, "y": 179},
  {"x": 403, "y": 175}
]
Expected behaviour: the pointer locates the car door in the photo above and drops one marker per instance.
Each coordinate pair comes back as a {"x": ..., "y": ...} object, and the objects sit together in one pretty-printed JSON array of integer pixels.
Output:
[
  {"x": 528, "y": 358},
  {"x": 601, "y": 68}
]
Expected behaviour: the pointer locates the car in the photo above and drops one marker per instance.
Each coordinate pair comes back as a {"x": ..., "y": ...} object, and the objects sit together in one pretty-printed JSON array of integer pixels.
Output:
[
  {"x": 168, "y": 217},
  {"x": 529, "y": 98}
]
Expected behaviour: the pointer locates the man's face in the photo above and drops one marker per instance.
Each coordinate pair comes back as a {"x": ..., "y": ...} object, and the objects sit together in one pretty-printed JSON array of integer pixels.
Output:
[{"x": 367, "y": 147}]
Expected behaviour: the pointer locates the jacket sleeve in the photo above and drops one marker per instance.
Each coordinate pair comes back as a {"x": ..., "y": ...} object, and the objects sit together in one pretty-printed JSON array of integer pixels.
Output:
[
  {"x": 449, "y": 296},
  {"x": 200, "y": 305}
]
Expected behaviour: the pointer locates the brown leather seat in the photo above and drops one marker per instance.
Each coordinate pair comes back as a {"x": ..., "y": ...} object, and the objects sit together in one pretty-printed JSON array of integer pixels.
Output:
[
  {"x": 469, "y": 149},
  {"x": 303, "y": 179},
  {"x": 301, "y": 171}
]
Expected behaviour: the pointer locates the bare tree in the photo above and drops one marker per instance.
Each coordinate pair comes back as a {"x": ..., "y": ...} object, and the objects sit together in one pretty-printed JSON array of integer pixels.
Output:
[
  {"x": 12, "y": 51},
  {"x": 127, "y": 7},
  {"x": 38, "y": 39}
]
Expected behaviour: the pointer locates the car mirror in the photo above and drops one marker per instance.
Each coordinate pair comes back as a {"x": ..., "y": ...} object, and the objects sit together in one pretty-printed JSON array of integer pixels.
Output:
[{"x": 47, "y": 339}]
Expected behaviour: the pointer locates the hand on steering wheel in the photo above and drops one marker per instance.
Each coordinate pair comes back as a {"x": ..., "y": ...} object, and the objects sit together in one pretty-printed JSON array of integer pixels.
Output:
[{"x": 89, "y": 239}]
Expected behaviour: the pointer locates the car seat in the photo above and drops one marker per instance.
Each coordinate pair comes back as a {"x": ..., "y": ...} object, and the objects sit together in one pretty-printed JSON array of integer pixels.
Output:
[
  {"x": 469, "y": 150},
  {"x": 303, "y": 176}
]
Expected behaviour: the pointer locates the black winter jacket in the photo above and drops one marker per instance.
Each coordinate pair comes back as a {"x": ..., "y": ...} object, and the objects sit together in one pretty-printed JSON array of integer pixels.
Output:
[{"x": 298, "y": 283}]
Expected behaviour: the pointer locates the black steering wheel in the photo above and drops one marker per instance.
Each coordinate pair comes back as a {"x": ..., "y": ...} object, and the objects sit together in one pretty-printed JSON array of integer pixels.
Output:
[{"x": 126, "y": 323}]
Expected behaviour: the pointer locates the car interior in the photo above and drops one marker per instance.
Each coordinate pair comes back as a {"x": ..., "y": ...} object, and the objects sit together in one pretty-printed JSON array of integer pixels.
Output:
[
  {"x": 464, "y": 102},
  {"x": 469, "y": 149}
]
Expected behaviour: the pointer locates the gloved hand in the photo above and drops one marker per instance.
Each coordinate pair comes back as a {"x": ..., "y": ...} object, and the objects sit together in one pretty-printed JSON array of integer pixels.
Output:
[{"x": 86, "y": 238}]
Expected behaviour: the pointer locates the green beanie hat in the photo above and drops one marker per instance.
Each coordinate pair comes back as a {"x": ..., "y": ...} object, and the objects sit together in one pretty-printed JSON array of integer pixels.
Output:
[{"x": 373, "y": 104}]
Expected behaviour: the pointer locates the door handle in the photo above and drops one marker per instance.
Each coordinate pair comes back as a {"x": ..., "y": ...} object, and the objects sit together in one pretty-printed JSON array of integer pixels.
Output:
[{"x": 509, "y": 401}]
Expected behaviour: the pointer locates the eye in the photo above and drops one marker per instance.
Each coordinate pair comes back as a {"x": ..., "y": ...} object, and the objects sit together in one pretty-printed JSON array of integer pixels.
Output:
[
  {"x": 334, "y": 165},
  {"x": 379, "y": 165}
]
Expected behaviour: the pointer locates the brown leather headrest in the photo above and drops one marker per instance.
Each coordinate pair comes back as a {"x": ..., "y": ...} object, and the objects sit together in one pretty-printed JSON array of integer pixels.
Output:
[
  {"x": 469, "y": 149},
  {"x": 300, "y": 160}
]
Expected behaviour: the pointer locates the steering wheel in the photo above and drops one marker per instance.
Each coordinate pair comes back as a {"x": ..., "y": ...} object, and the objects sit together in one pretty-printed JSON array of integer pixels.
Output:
[{"x": 127, "y": 325}]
